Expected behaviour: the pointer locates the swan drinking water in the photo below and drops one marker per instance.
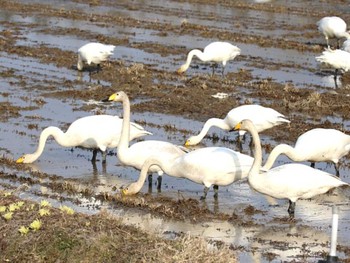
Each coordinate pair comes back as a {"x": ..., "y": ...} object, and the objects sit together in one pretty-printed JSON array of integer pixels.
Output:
[
  {"x": 316, "y": 145},
  {"x": 92, "y": 132},
  {"x": 94, "y": 53},
  {"x": 136, "y": 154},
  {"x": 217, "y": 52},
  {"x": 262, "y": 117},
  {"x": 333, "y": 27},
  {"x": 288, "y": 181}
]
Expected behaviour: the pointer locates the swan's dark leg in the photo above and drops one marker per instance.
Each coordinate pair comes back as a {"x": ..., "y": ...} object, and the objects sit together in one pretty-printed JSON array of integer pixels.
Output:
[
  {"x": 337, "y": 173},
  {"x": 206, "y": 189},
  {"x": 312, "y": 164},
  {"x": 94, "y": 153},
  {"x": 216, "y": 191},
  {"x": 150, "y": 179},
  {"x": 104, "y": 156},
  {"x": 335, "y": 78},
  {"x": 159, "y": 182},
  {"x": 213, "y": 67},
  {"x": 223, "y": 71},
  {"x": 291, "y": 209}
]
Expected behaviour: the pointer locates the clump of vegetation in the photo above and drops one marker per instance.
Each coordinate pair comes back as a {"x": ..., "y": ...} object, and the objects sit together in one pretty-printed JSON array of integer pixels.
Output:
[{"x": 39, "y": 232}]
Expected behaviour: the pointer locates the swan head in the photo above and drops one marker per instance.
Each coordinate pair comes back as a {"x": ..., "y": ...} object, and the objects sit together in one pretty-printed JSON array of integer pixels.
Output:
[
  {"x": 244, "y": 125},
  {"x": 193, "y": 140},
  {"x": 118, "y": 96},
  {"x": 182, "y": 69},
  {"x": 27, "y": 158},
  {"x": 130, "y": 189}
]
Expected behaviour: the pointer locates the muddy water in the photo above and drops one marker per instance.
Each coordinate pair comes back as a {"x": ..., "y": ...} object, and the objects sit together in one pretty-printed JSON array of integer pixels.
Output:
[{"x": 48, "y": 94}]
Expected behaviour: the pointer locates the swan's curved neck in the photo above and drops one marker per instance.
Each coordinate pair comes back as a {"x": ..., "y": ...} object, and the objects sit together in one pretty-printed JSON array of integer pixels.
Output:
[
  {"x": 220, "y": 123},
  {"x": 278, "y": 150},
  {"x": 254, "y": 170},
  {"x": 195, "y": 52},
  {"x": 49, "y": 131},
  {"x": 125, "y": 133},
  {"x": 136, "y": 186}
]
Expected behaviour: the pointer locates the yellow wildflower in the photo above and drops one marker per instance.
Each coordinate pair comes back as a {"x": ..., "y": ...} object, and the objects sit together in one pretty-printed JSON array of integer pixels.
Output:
[
  {"x": 23, "y": 230},
  {"x": 35, "y": 225},
  {"x": 44, "y": 212},
  {"x": 13, "y": 207},
  {"x": 8, "y": 215},
  {"x": 6, "y": 194},
  {"x": 67, "y": 209},
  {"x": 45, "y": 203},
  {"x": 2, "y": 208},
  {"x": 20, "y": 204}
]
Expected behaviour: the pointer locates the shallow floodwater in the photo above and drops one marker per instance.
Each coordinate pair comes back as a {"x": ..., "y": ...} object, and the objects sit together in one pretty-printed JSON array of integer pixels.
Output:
[{"x": 268, "y": 235}]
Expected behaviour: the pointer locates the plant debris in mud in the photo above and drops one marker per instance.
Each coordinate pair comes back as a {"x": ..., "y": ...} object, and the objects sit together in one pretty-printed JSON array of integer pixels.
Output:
[{"x": 38, "y": 232}]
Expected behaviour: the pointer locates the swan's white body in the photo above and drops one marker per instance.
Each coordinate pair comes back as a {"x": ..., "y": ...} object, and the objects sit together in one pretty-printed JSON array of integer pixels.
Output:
[
  {"x": 346, "y": 45},
  {"x": 316, "y": 145},
  {"x": 290, "y": 181},
  {"x": 262, "y": 117},
  {"x": 92, "y": 132},
  {"x": 94, "y": 53},
  {"x": 139, "y": 152},
  {"x": 209, "y": 166},
  {"x": 218, "y": 52},
  {"x": 337, "y": 59},
  {"x": 333, "y": 27}
]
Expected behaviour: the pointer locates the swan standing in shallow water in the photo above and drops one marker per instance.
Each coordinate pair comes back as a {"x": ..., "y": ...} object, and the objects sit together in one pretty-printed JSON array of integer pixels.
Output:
[
  {"x": 262, "y": 117},
  {"x": 288, "y": 181},
  {"x": 92, "y": 132},
  {"x": 139, "y": 152},
  {"x": 209, "y": 166},
  {"x": 337, "y": 59},
  {"x": 217, "y": 52},
  {"x": 316, "y": 145},
  {"x": 333, "y": 27},
  {"x": 94, "y": 53}
]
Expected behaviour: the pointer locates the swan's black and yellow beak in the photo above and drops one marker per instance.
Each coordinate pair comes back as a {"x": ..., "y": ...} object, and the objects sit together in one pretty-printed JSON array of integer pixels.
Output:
[
  {"x": 238, "y": 126},
  {"x": 112, "y": 97},
  {"x": 20, "y": 159}
]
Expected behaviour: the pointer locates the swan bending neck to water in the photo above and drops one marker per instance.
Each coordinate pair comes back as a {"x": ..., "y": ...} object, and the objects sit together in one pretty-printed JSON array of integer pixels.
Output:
[
  {"x": 217, "y": 166},
  {"x": 288, "y": 181},
  {"x": 316, "y": 145},
  {"x": 333, "y": 27},
  {"x": 97, "y": 132},
  {"x": 218, "y": 52},
  {"x": 263, "y": 118},
  {"x": 139, "y": 152}
]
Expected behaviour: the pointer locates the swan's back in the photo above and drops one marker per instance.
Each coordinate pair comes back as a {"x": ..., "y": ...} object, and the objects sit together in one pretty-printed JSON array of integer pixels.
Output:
[
  {"x": 221, "y": 51},
  {"x": 332, "y": 27},
  {"x": 213, "y": 165},
  {"x": 101, "y": 131},
  {"x": 294, "y": 181},
  {"x": 338, "y": 59},
  {"x": 262, "y": 117},
  {"x": 323, "y": 144}
]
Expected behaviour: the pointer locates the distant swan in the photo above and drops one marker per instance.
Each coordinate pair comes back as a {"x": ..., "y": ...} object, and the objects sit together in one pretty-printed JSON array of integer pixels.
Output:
[
  {"x": 290, "y": 181},
  {"x": 94, "y": 53},
  {"x": 333, "y": 27},
  {"x": 209, "y": 166},
  {"x": 218, "y": 52},
  {"x": 316, "y": 145},
  {"x": 139, "y": 152},
  {"x": 262, "y": 117},
  {"x": 92, "y": 132}
]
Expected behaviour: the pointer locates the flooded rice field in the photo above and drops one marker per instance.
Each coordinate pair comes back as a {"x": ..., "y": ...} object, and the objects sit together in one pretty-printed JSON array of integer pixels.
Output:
[{"x": 41, "y": 87}]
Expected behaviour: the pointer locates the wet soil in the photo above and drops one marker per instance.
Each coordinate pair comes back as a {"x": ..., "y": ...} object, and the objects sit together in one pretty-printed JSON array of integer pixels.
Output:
[{"x": 157, "y": 89}]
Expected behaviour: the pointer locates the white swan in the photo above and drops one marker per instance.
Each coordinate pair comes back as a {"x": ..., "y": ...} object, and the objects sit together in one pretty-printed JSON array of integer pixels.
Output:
[
  {"x": 209, "y": 166},
  {"x": 139, "y": 152},
  {"x": 333, "y": 27},
  {"x": 290, "y": 181},
  {"x": 262, "y": 117},
  {"x": 94, "y": 53},
  {"x": 337, "y": 59},
  {"x": 218, "y": 52},
  {"x": 316, "y": 145},
  {"x": 93, "y": 132},
  {"x": 346, "y": 45}
]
